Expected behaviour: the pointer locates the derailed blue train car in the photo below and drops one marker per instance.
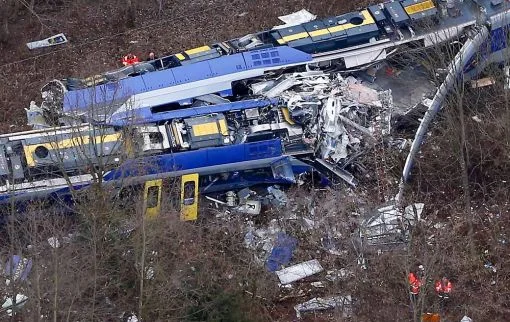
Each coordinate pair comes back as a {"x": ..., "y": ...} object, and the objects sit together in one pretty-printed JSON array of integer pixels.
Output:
[
  {"x": 193, "y": 114},
  {"x": 227, "y": 149},
  {"x": 225, "y": 69}
]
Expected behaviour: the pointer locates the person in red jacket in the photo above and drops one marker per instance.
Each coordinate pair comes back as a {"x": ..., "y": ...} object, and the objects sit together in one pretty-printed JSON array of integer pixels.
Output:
[
  {"x": 415, "y": 280},
  {"x": 415, "y": 283},
  {"x": 443, "y": 288},
  {"x": 129, "y": 59}
]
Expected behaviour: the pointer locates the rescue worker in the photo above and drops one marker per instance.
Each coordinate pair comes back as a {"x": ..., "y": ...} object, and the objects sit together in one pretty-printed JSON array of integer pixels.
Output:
[
  {"x": 415, "y": 282},
  {"x": 152, "y": 56},
  {"x": 443, "y": 288},
  {"x": 130, "y": 59}
]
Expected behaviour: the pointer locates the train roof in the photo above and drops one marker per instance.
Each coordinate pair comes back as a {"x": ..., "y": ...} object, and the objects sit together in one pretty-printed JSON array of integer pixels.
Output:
[{"x": 352, "y": 40}]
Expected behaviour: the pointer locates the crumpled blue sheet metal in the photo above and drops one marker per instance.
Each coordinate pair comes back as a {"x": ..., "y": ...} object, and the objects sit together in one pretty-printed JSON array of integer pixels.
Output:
[
  {"x": 18, "y": 267},
  {"x": 281, "y": 254}
]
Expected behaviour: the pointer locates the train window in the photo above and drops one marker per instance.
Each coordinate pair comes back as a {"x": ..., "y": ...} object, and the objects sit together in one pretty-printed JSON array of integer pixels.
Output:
[
  {"x": 189, "y": 193},
  {"x": 166, "y": 107},
  {"x": 152, "y": 196},
  {"x": 41, "y": 152},
  {"x": 155, "y": 137}
]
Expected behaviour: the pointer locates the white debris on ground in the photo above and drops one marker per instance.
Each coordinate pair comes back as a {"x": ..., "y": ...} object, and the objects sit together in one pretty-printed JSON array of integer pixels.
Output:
[
  {"x": 131, "y": 318},
  {"x": 53, "y": 241},
  {"x": 338, "y": 274},
  {"x": 48, "y": 42},
  {"x": 261, "y": 240},
  {"x": 11, "y": 305},
  {"x": 299, "y": 271},
  {"x": 390, "y": 225},
  {"x": 343, "y": 303}
]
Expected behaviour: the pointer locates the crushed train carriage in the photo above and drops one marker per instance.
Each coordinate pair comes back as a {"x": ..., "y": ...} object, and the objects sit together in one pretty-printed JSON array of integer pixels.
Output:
[{"x": 222, "y": 108}]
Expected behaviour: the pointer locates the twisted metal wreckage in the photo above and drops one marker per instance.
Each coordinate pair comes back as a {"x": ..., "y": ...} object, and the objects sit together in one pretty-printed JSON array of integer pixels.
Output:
[
  {"x": 261, "y": 110},
  {"x": 284, "y": 102}
]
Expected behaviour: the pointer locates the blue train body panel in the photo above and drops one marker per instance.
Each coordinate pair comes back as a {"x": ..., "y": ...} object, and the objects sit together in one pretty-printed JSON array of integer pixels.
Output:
[
  {"x": 227, "y": 65},
  {"x": 118, "y": 92},
  {"x": 146, "y": 115},
  {"x": 496, "y": 43},
  {"x": 198, "y": 159},
  {"x": 220, "y": 159}
]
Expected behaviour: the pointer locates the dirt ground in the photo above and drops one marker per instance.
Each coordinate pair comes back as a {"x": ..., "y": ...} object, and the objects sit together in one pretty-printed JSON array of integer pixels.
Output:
[{"x": 100, "y": 33}]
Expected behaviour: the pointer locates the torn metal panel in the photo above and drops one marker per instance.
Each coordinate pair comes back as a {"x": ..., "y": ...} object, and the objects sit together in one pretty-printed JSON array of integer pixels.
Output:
[
  {"x": 281, "y": 254},
  {"x": 18, "y": 268},
  {"x": 338, "y": 172},
  {"x": 299, "y": 271},
  {"x": 282, "y": 169},
  {"x": 318, "y": 304},
  {"x": 261, "y": 87},
  {"x": 363, "y": 58},
  {"x": 335, "y": 146},
  {"x": 389, "y": 225},
  {"x": 329, "y": 115},
  {"x": 48, "y": 42},
  {"x": 413, "y": 212},
  {"x": 280, "y": 87},
  {"x": 212, "y": 99},
  {"x": 10, "y": 304}
]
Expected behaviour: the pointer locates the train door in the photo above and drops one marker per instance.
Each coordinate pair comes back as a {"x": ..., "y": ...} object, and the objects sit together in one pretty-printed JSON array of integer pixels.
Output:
[
  {"x": 152, "y": 198},
  {"x": 189, "y": 197}
]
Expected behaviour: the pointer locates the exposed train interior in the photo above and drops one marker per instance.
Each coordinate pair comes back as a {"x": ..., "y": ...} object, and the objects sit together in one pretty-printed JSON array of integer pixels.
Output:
[{"x": 73, "y": 151}]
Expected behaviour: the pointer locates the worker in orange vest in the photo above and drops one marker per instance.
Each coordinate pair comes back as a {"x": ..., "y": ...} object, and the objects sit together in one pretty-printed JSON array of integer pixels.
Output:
[
  {"x": 443, "y": 288},
  {"x": 129, "y": 59},
  {"x": 415, "y": 282}
]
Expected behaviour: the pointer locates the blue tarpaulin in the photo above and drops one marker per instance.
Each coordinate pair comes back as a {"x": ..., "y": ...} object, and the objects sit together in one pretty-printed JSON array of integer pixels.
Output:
[{"x": 281, "y": 253}]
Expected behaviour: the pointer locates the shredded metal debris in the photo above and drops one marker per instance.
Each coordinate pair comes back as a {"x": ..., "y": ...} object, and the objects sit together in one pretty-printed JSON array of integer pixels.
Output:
[{"x": 343, "y": 303}]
